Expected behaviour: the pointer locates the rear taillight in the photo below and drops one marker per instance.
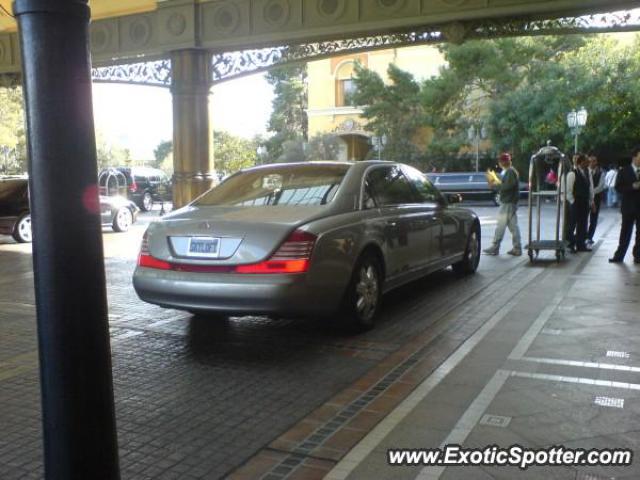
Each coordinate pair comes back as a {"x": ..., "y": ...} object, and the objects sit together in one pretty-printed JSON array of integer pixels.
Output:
[
  {"x": 133, "y": 188},
  {"x": 146, "y": 260},
  {"x": 291, "y": 257}
]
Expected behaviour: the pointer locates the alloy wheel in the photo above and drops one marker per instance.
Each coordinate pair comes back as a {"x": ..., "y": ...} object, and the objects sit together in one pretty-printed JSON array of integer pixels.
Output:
[
  {"x": 147, "y": 201},
  {"x": 367, "y": 292},
  {"x": 123, "y": 219},
  {"x": 24, "y": 229}
]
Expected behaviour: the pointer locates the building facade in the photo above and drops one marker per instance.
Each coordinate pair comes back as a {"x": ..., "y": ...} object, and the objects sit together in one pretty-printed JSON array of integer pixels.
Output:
[{"x": 331, "y": 86}]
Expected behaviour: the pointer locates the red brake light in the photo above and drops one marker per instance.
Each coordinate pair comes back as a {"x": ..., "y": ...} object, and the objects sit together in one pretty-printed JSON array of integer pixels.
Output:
[
  {"x": 292, "y": 256},
  {"x": 133, "y": 187},
  {"x": 146, "y": 260}
]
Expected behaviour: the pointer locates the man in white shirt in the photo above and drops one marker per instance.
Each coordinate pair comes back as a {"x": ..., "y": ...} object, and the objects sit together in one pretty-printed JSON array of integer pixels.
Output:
[
  {"x": 610, "y": 183},
  {"x": 596, "y": 180}
]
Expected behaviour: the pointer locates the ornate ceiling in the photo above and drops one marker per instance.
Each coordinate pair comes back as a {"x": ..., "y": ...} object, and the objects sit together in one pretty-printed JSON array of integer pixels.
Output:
[
  {"x": 251, "y": 35},
  {"x": 99, "y": 9}
]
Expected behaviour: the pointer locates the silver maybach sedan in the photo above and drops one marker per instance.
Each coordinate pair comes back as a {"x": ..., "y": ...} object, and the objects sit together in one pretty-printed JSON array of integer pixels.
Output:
[{"x": 314, "y": 238}]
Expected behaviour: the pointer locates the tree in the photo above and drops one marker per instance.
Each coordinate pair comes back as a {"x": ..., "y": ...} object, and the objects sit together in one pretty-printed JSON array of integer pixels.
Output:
[
  {"x": 13, "y": 155},
  {"x": 162, "y": 152},
  {"x": 288, "y": 119},
  {"x": 599, "y": 75},
  {"x": 392, "y": 110},
  {"x": 232, "y": 153},
  {"x": 323, "y": 147},
  {"x": 110, "y": 155},
  {"x": 474, "y": 86}
]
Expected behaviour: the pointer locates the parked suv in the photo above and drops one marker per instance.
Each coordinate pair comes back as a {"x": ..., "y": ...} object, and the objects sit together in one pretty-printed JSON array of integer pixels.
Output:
[{"x": 146, "y": 185}]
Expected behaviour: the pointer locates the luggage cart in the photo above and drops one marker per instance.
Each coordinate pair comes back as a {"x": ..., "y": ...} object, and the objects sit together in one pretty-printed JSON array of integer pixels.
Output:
[
  {"x": 547, "y": 158},
  {"x": 112, "y": 182}
]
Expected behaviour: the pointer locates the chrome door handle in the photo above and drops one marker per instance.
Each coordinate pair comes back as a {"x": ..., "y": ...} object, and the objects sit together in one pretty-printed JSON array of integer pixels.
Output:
[{"x": 392, "y": 224}]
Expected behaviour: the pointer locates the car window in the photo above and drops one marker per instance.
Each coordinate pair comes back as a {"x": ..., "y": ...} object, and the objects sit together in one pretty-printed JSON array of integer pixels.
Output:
[
  {"x": 139, "y": 179},
  {"x": 389, "y": 186},
  {"x": 282, "y": 185},
  {"x": 426, "y": 191}
]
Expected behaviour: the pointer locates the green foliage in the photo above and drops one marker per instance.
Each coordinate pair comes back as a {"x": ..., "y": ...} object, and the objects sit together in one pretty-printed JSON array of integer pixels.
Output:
[
  {"x": 288, "y": 119},
  {"x": 393, "y": 110},
  {"x": 162, "y": 152},
  {"x": 521, "y": 90},
  {"x": 110, "y": 155},
  {"x": 13, "y": 152},
  {"x": 232, "y": 153},
  {"x": 323, "y": 147}
]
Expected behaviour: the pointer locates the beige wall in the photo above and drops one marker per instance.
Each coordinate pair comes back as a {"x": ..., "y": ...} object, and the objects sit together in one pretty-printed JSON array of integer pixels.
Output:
[{"x": 324, "y": 117}]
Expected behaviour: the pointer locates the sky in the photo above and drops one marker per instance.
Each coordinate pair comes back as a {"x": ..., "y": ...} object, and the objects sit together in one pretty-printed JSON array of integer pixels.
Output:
[{"x": 139, "y": 117}]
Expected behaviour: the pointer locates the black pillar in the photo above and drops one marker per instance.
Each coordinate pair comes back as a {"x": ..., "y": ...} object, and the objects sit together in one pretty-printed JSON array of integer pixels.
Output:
[{"x": 75, "y": 358}]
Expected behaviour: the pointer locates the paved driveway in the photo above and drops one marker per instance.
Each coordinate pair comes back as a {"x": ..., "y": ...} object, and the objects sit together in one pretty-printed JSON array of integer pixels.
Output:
[{"x": 197, "y": 399}]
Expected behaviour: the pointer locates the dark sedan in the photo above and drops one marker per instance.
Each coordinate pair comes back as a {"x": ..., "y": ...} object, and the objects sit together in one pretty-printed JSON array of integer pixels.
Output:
[
  {"x": 305, "y": 239},
  {"x": 15, "y": 216},
  {"x": 470, "y": 185}
]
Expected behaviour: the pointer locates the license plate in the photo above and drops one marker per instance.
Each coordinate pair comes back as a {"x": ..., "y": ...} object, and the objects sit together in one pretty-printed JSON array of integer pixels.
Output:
[{"x": 203, "y": 247}]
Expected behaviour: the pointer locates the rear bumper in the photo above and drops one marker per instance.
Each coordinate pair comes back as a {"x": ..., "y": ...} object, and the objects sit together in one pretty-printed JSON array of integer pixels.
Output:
[{"x": 235, "y": 293}]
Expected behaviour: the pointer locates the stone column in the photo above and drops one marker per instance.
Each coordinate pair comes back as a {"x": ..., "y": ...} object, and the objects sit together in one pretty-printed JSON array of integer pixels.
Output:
[
  {"x": 192, "y": 134},
  {"x": 68, "y": 262}
]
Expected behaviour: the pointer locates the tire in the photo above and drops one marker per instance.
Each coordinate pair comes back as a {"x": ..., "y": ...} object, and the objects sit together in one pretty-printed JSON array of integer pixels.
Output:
[
  {"x": 146, "y": 203},
  {"x": 364, "y": 293},
  {"x": 469, "y": 264},
  {"x": 495, "y": 198},
  {"x": 22, "y": 231},
  {"x": 122, "y": 220}
]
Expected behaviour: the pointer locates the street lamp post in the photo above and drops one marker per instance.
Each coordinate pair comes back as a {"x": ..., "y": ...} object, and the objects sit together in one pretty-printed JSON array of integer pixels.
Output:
[
  {"x": 576, "y": 122},
  {"x": 261, "y": 151},
  {"x": 379, "y": 144},
  {"x": 475, "y": 134}
]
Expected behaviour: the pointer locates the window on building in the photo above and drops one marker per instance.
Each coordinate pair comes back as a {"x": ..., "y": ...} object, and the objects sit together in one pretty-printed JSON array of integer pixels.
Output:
[{"x": 345, "y": 85}]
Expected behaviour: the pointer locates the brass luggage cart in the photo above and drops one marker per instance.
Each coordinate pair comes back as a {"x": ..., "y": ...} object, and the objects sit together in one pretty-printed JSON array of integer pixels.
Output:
[
  {"x": 112, "y": 182},
  {"x": 542, "y": 162}
]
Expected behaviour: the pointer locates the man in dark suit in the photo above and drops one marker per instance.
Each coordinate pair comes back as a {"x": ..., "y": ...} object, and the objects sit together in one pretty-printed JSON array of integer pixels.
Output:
[{"x": 628, "y": 186}]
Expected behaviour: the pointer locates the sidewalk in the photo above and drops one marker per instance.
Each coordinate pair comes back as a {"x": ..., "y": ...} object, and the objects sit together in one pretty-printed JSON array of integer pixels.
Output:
[
  {"x": 554, "y": 360},
  {"x": 557, "y": 365}
]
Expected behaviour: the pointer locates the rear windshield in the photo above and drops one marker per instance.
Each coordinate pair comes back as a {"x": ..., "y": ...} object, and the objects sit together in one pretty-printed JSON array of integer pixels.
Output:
[
  {"x": 282, "y": 185},
  {"x": 12, "y": 189}
]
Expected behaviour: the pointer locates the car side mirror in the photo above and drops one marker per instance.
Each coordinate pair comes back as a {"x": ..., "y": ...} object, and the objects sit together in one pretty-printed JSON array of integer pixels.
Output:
[{"x": 453, "y": 198}]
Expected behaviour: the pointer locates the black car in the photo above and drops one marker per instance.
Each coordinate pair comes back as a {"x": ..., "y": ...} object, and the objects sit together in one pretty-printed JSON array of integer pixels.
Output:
[
  {"x": 471, "y": 185},
  {"x": 15, "y": 216},
  {"x": 144, "y": 185}
]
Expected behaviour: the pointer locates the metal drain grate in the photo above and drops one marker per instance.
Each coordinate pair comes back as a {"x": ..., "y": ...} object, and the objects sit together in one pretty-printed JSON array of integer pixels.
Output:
[
  {"x": 495, "y": 421},
  {"x": 615, "y": 354},
  {"x": 609, "y": 402}
]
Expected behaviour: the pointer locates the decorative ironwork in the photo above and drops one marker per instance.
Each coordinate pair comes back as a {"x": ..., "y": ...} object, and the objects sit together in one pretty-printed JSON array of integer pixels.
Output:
[
  {"x": 229, "y": 65},
  {"x": 155, "y": 73}
]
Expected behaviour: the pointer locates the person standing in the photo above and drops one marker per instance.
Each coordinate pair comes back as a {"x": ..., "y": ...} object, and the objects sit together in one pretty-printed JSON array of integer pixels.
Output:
[
  {"x": 596, "y": 176},
  {"x": 628, "y": 186},
  {"x": 580, "y": 198},
  {"x": 610, "y": 182},
  {"x": 509, "y": 189}
]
